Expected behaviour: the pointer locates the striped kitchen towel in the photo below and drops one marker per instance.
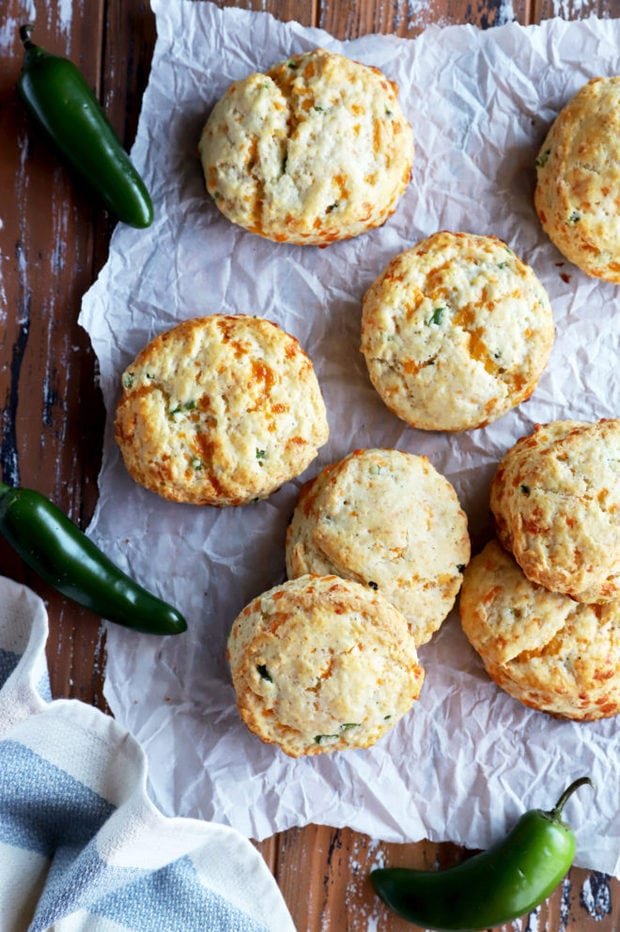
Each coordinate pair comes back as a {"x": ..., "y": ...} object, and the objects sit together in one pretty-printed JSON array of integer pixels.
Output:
[{"x": 81, "y": 845}]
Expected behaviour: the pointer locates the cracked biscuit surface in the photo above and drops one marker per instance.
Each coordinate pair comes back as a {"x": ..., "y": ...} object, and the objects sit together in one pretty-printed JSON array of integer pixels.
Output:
[
  {"x": 544, "y": 649},
  {"x": 556, "y": 501},
  {"x": 577, "y": 195},
  {"x": 322, "y": 664},
  {"x": 220, "y": 410},
  {"x": 389, "y": 520},
  {"x": 456, "y": 332},
  {"x": 315, "y": 150}
]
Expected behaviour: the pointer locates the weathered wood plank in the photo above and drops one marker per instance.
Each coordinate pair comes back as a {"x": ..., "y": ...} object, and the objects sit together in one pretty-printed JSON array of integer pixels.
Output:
[
  {"x": 574, "y": 9},
  {"x": 51, "y": 419},
  {"x": 323, "y": 873},
  {"x": 301, "y": 11},
  {"x": 408, "y": 18}
]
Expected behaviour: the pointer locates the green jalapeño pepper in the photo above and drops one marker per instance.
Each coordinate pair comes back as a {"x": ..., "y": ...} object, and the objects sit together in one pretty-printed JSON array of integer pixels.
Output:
[
  {"x": 68, "y": 560},
  {"x": 59, "y": 98},
  {"x": 505, "y": 882}
]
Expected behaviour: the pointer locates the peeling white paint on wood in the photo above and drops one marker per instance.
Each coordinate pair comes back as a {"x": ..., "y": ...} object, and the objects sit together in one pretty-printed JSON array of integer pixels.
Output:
[
  {"x": 9, "y": 27},
  {"x": 65, "y": 15},
  {"x": 595, "y": 896},
  {"x": 571, "y": 9}
]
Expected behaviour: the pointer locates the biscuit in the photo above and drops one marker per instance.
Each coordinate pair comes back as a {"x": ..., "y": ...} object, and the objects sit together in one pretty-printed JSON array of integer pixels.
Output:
[
  {"x": 549, "y": 652},
  {"x": 456, "y": 332},
  {"x": 220, "y": 410},
  {"x": 578, "y": 180},
  {"x": 556, "y": 501},
  {"x": 322, "y": 664},
  {"x": 315, "y": 150},
  {"x": 389, "y": 520}
]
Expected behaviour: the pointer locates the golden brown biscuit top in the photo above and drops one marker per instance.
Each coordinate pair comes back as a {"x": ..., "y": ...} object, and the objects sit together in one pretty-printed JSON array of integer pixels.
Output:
[
  {"x": 578, "y": 179},
  {"x": 546, "y": 650},
  {"x": 556, "y": 501},
  {"x": 321, "y": 664},
  {"x": 456, "y": 331},
  {"x": 315, "y": 150},
  {"x": 503, "y": 613},
  {"x": 220, "y": 410},
  {"x": 388, "y": 519}
]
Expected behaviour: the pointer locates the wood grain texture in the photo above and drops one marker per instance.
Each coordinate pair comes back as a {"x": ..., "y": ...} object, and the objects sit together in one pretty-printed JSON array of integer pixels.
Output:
[
  {"x": 323, "y": 874},
  {"x": 52, "y": 415},
  {"x": 53, "y": 241},
  {"x": 408, "y": 18},
  {"x": 574, "y": 9}
]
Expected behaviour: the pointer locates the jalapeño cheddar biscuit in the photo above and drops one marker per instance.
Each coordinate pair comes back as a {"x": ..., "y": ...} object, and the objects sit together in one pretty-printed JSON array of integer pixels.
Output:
[
  {"x": 556, "y": 501},
  {"x": 315, "y": 150},
  {"x": 389, "y": 520},
  {"x": 578, "y": 180},
  {"x": 546, "y": 650},
  {"x": 220, "y": 410},
  {"x": 456, "y": 332},
  {"x": 322, "y": 664}
]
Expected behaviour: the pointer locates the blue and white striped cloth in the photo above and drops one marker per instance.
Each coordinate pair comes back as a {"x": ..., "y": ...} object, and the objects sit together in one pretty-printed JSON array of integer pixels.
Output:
[{"x": 81, "y": 845}]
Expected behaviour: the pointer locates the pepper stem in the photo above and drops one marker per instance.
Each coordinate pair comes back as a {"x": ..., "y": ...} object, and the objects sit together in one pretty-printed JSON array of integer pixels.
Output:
[
  {"x": 556, "y": 812},
  {"x": 24, "y": 35}
]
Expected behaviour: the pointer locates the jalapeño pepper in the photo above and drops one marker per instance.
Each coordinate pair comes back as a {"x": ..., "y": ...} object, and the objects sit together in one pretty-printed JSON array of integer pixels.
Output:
[
  {"x": 59, "y": 98},
  {"x": 505, "y": 882},
  {"x": 52, "y": 545}
]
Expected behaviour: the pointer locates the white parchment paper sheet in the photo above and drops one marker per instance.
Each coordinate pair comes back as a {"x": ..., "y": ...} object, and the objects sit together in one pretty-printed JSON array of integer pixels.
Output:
[{"x": 467, "y": 759}]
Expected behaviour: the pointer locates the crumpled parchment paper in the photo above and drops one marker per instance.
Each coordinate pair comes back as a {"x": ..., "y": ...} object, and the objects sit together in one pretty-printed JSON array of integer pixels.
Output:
[{"x": 468, "y": 758}]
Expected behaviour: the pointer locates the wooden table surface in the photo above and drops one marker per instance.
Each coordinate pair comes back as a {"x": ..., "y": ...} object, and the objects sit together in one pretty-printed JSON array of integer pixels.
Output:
[{"x": 52, "y": 243}]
